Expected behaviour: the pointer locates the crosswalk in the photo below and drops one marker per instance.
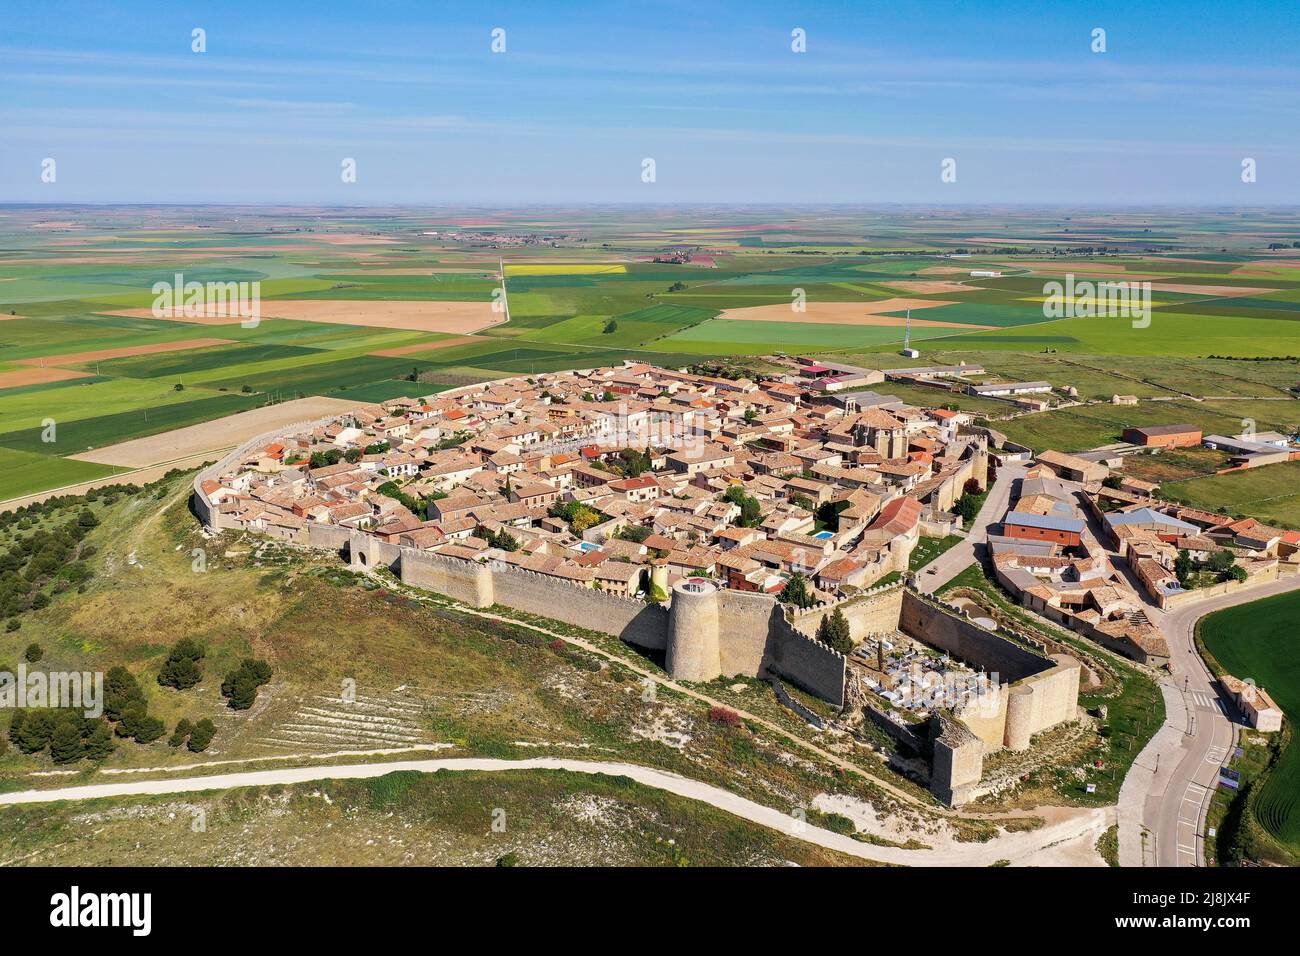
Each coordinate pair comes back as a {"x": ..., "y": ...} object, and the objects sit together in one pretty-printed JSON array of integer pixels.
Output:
[{"x": 1205, "y": 701}]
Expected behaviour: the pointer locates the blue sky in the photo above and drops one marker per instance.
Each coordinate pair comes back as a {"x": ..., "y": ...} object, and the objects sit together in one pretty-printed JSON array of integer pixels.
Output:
[{"x": 711, "y": 91}]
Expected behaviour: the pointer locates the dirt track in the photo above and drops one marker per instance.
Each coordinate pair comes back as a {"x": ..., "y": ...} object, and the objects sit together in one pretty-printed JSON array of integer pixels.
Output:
[{"x": 213, "y": 436}]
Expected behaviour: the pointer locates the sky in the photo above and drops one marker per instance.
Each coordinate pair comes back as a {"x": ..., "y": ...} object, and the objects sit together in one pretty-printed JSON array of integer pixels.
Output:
[{"x": 584, "y": 93}]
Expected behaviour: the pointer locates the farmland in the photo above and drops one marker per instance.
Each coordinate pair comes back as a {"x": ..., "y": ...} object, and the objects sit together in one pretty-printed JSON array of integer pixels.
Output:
[
  {"x": 368, "y": 307},
  {"x": 1271, "y": 494},
  {"x": 1258, "y": 641}
]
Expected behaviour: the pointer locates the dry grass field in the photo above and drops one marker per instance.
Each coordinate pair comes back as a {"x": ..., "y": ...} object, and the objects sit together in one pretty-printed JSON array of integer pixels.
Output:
[{"x": 37, "y": 376}]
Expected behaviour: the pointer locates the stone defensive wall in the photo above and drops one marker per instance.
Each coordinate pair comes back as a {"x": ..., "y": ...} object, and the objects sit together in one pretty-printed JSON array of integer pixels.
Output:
[
  {"x": 1036, "y": 692},
  {"x": 874, "y": 611},
  {"x": 204, "y": 508},
  {"x": 1033, "y": 693},
  {"x": 704, "y": 631}
]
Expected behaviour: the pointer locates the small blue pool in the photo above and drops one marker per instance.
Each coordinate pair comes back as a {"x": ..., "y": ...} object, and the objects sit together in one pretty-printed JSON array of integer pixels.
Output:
[{"x": 824, "y": 534}]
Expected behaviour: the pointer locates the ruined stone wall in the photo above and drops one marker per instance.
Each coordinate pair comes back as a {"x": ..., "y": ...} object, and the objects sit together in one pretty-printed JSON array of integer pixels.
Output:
[{"x": 985, "y": 716}]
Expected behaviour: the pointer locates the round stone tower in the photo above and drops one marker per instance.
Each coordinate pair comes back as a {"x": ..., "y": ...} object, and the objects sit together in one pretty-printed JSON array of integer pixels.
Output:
[
  {"x": 1020, "y": 705},
  {"x": 693, "y": 646}
]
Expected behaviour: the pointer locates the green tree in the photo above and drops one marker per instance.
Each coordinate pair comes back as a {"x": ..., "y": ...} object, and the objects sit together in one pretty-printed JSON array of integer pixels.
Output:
[
  {"x": 241, "y": 692},
  {"x": 120, "y": 691},
  {"x": 33, "y": 653},
  {"x": 202, "y": 735},
  {"x": 133, "y": 715},
  {"x": 798, "y": 592},
  {"x": 16, "y": 725},
  {"x": 100, "y": 742},
  {"x": 1221, "y": 560},
  {"x": 65, "y": 742},
  {"x": 35, "y": 731},
  {"x": 182, "y": 732},
  {"x": 634, "y": 462},
  {"x": 751, "y": 512},
  {"x": 181, "y": 669},
  {"x": 240, "y": 686},
  {"x": 838, "y": 634},
  {"x": 148, "y": 729}
]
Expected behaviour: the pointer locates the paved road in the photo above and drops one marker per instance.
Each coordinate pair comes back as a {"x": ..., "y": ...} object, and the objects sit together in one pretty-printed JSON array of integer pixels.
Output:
[
  {"x": 1167, "y": 790},
  {"x": 962, "y": 555},
  {"x": 1010, "y": 846}
]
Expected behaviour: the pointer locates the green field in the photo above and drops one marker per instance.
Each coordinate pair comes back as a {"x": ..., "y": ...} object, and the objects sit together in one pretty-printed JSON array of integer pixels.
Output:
[
  {"x": 744, "y": 337},
  {"x": 1259, "y": 641},
  {"x": 595, "y": 299},
  {"x": 1084, "y": 427},
  {"x": 1271, "y": 493},
  {"x": 24, "y": 473}
]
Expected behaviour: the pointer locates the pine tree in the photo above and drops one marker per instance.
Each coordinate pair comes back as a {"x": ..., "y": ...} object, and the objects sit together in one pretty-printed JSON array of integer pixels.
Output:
[
  {"x": 797, "y": 591},
  {"x": 149, "y": 729},
  {"x": 100, "y": 742},
  {"x": 120, "y": 691},
  {"x": 65, "y": 742},
  {"x": 36, "y": 730},
  {"x": 181, "y": 669},
  {"x": 202, "y": 735},
  {"x": 838, "y": 633},
  {"x": 183, "y": 729}
]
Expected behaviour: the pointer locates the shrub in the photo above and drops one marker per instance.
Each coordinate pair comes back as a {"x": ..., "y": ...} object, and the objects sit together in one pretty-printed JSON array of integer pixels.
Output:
[
  {"x": 725, "y": 716},
  {"x": 33, "y": 653}
]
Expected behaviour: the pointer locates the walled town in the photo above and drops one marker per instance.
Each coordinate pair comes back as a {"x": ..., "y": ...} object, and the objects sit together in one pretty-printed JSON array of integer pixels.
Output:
[
  {"x": 760, "y": 528},
  {"x": 628, "y": 479}
]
